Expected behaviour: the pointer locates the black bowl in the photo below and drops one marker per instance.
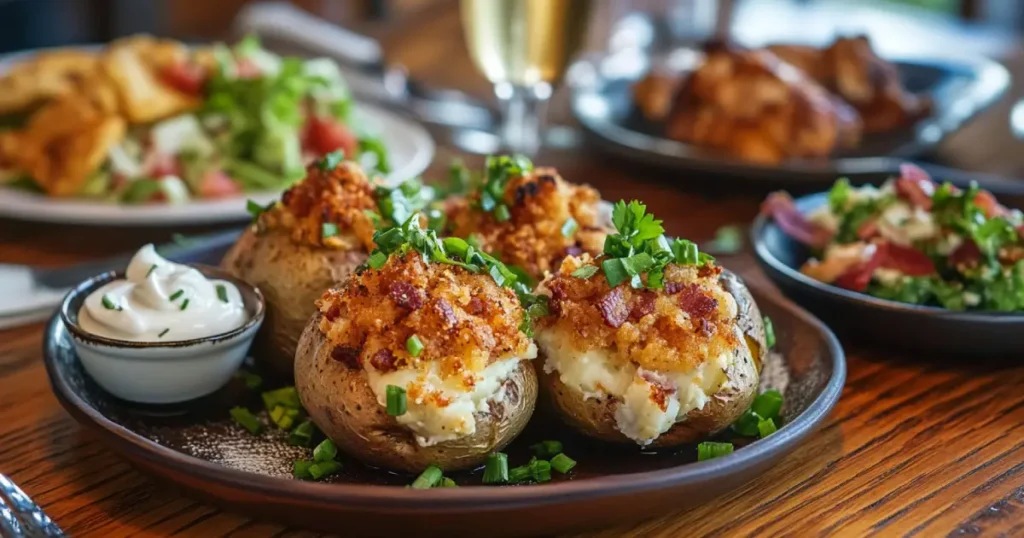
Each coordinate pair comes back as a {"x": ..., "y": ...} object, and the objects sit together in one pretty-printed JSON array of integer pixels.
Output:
[{"x": 878, "y": 321}]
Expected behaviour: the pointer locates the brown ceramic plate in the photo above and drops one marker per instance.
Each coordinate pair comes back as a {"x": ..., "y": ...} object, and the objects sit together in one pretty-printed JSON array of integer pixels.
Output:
[{"x": 197, "y": 447}]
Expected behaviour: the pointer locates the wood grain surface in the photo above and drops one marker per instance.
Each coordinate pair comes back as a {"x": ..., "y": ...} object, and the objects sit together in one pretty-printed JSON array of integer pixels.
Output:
[{"x": 915, "y": 447}]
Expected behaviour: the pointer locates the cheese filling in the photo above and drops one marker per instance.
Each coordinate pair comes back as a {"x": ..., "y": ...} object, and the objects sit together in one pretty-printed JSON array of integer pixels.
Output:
[
  {"x": 649, "y": 402},
  {"x": 439, "y": 409}
]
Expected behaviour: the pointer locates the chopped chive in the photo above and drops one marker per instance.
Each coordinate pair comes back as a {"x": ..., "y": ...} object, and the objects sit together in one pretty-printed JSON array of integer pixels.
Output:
[
  {"x": 569, "y": 227},
  {"x": 767, "y": 404},
  {"x": 518, "y": 475},
  {"x": 396, "y": 401},
  {"x": 769, "y": 332},
  {"x": 614, "y": 271},
  {"x": 766, "y": 427},
  {"x": 323, "y": 469},
  {"x": 562, "y": 463},
  {"x": 377, "y": 260},
  {"x": 151, "y": 269},
  {"x": 547, "y": 449},
  {"x": 446, "y": 483},
  {"x": 252, "y": 381},
  {"x": 325, "y": 451},
  {"x": 496, "y": 470},
  {"x": 256, "y": 210},
  {"x": 109, "y": 303},
  {"x": 302, "y": 435},
  {"x": 414, "y": 345},
  {"x": 710, "y": 450},
  {"x": 501, "y": 213},
  {"x": 246, "y": 419},
  {"x": 163, "y": 332},
  {"x": 428, "y": 478},
  {"x": 328, "y": 229},
  {"x": 746, "y": 425},
  {"x": 331, "y": 160},
  {"x": 540, "y": 471},
  {"x": 174, "y": 296},
  {"x": 284, "y": 397},
  {"x": 284, "y": 417},
  {"x": 222, "y": 293},
  {"x": 300, "y": 469},
  {"x": 184, "y": 304},
  {"x": 585, "y": 272}
]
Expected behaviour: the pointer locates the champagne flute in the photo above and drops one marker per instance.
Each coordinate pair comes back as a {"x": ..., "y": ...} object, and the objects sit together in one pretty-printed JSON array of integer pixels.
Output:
[{"x": 524, "y": 47}]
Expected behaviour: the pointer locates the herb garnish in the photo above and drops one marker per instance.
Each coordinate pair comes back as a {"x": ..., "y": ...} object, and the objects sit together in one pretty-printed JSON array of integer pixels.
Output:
[
  {"x": 222, "y": 293},
  {"x": 256, "y": 210},
  {"x": 498, "y": 171},
  {"x": 109, "y": 304},
  {"x": 184, "y": 304},
  {"x": 331, "y": 160},
  {"x": 328, "y": 230},
  {"x": 585, "y": 272},
  {"x": 175, "y": 295},
  {"x": 397, "y": 204},
  {"x": 162, "y": 333},
  {"x": 569, "y": 227},
  {"x": 151, "y": 269}
]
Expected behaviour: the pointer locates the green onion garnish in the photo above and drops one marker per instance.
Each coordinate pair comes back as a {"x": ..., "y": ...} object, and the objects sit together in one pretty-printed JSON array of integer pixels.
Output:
[
  {"x": 746, "y": 425},
  {"x": 710, "y": 449},
  {"x": 496, "y": 470},
  {"x": 246, "y": 419},
  {"x": 325, "y": 451},
  {"x": 414, "y": 345},
  {"x": 300, "y": 469},
  {"x": 109, "y": 303},
  {"x": 331, "y": 160},
  {"x": 518, "y": 475},
  {"x": 184, "y": 304},
  {"x": 540, "y": 471},
  {"x": 163, "y": 332},
  {"x": 284, "y": 417},
  {"x": 585, "y": 272},
  {"x": 256, "y": 210},
  {"x": 323, "y": 469},
  {"x": 222, "y": 293},
  {"x": 396, "y": 400},
  {"x": 728, "y": 240},
  {"x": 428, "y": 478},
  {"x": 446, "y": 483},
  {"x": 547, "y": 449},
  {"x": 569, "y": 227},
  {"x": 562, "y": 463},
  {"x": 328, "y": 229},
  {"x": 501, "y": 213},
  {"x": 766, "y": 427},
  {"x": 151, "y": 269},
  {"x": 302, "y": 435},
  {"x": 174, "y": 296},
  {"x": 284, "y": 397},
  {"x": 767, "y": 404},
  {"x": 252, "y": 381},
  {"x": 769, "y": 332},
  {"x": 377, "y": 260}
]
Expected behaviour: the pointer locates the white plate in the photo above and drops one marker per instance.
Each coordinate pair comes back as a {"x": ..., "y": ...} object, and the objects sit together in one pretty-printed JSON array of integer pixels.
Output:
[{"x": 410, "y": 149}]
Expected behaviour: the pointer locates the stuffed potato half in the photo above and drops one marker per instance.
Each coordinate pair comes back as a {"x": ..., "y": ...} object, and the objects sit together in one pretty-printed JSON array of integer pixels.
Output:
[
  {"x": 658, "y": 367},
  {"x": 446, "y": 339},
  {"x": 299, "y": 247}
]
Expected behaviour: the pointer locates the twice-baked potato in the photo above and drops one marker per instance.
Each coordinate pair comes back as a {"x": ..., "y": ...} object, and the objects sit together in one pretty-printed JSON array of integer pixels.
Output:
[
  {"x": 529, "y": 218},
  {"x": 309, "y": 241},
  {"x": 658, "y": 367},
  {"x": 417, "y": 363}
]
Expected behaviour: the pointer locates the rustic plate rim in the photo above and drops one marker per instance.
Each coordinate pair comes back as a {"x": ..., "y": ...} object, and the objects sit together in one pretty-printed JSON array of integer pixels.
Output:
[{"x": 467, "y": 498}]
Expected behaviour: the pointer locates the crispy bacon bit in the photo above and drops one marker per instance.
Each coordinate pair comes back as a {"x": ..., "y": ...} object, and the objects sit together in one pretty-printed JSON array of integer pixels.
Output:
[
  {"x": 526, "y": 189},
  {"x": 574, "y": 250},
  {"x": 659, "y": 391},
  {"x": 333, "y": 312},
  {"x": 349, "y": 356},
  {"x": 967, "y": 254},
  {"x": 613, "y": 308},
  {"x": 915, "y": 186},
  {"x": 445, "y": 309},
  {"x": 868, "y": 229},
  {"x": 696, "y": 303},
  {"x": 406, "y": 295},
  {"x": 673, "y": 288},
  {"x": 781, "y": 208},
  {"x": 706, "y": 328},
  {"x": 475, "y": 306},
  {"x": 858, "y": 277},
  {"x": 384, "y": 361},
  {"x": 906, "y": 260},
  {"x": 709, "y": 270},
  {"x": 546, "y": 178},
  {"x": 641, "y": 305}
]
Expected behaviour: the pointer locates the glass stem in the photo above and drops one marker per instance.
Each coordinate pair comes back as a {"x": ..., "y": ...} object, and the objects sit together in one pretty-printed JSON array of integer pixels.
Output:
[{"x": 524, "y": 109}]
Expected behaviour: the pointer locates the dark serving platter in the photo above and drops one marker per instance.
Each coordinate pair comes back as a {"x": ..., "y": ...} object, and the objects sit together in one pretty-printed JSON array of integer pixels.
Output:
[
  {"x": 960, "y": 89},
  {"x": 882, "y": 322},
  {"x": 198, "y": 448}
]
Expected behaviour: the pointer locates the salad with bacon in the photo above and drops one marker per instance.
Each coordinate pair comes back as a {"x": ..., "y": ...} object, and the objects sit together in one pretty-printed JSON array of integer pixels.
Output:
[
  {"x": 147, "y": 120},
  {"x": 913, "y": 240}
]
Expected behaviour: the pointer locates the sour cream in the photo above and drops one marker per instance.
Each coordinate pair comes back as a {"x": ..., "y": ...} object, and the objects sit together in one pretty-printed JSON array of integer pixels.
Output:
[{"x": 162, "y": 301}]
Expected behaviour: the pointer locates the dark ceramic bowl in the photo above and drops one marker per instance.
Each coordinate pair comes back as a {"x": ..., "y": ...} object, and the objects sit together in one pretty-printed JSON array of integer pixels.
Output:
[
  {"x": 197, "y": 447},
  {"x": 882, "y": 322}
]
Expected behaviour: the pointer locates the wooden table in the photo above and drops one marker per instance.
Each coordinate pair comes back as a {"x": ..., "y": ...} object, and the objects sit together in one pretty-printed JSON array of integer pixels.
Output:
[{"x": 914, "y": 447}]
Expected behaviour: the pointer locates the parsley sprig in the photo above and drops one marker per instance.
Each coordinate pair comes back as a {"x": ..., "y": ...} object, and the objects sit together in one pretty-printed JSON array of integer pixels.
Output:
[
  {"x": 397, "y": 204},
  {"x": 640, "y": 247},
  {"x": 411, "y": 237},
  {"x": 498, "y": 171}
]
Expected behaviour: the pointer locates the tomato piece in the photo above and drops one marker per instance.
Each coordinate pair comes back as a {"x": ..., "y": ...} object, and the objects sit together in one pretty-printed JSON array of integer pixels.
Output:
[
  {"x": 217, "y": 184},
  {"x": 915, "y": 186},
  {"x": 185, "y": 77},
  {"x": 859, "y": 276},
  {"x": 324, "y": 135},
  {"x": 988, "y": 205},
  {"x": 906, "y": 260},
  {"x": 158, "y": 165},
  {"x": 967, "y": 254}
]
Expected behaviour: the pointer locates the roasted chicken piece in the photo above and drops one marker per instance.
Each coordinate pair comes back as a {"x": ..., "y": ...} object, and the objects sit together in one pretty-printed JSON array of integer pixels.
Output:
[
  {"x": 851, "y": 69},
  {"x": 756, "y": 107},
  {"x": 134, "y": 66},
  {"x": 46, "y": 76}
]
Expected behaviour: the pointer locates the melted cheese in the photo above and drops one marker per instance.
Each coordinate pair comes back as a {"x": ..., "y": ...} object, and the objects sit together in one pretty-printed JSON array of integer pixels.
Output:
[{"x": 431, "y": 422}]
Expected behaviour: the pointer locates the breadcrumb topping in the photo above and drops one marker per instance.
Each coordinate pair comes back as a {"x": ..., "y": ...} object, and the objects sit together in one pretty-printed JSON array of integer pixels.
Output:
[
  {"x": 341, "y": 196},
  {"x": 465, "y": 321},
  {"x": 674, "y": 329},
  {"x": 540, "y": 203}
]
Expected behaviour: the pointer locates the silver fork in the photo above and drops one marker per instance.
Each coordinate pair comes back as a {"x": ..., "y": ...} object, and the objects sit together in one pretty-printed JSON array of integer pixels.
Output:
[{"x": 20, "y": 517}]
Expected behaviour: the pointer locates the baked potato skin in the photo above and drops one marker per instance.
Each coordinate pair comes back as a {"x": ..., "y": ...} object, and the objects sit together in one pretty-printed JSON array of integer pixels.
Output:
[
  {"x": 292, "y": 276},
  {"x": 595, "y": 417},
  {"x": 341, "y": 403}
]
